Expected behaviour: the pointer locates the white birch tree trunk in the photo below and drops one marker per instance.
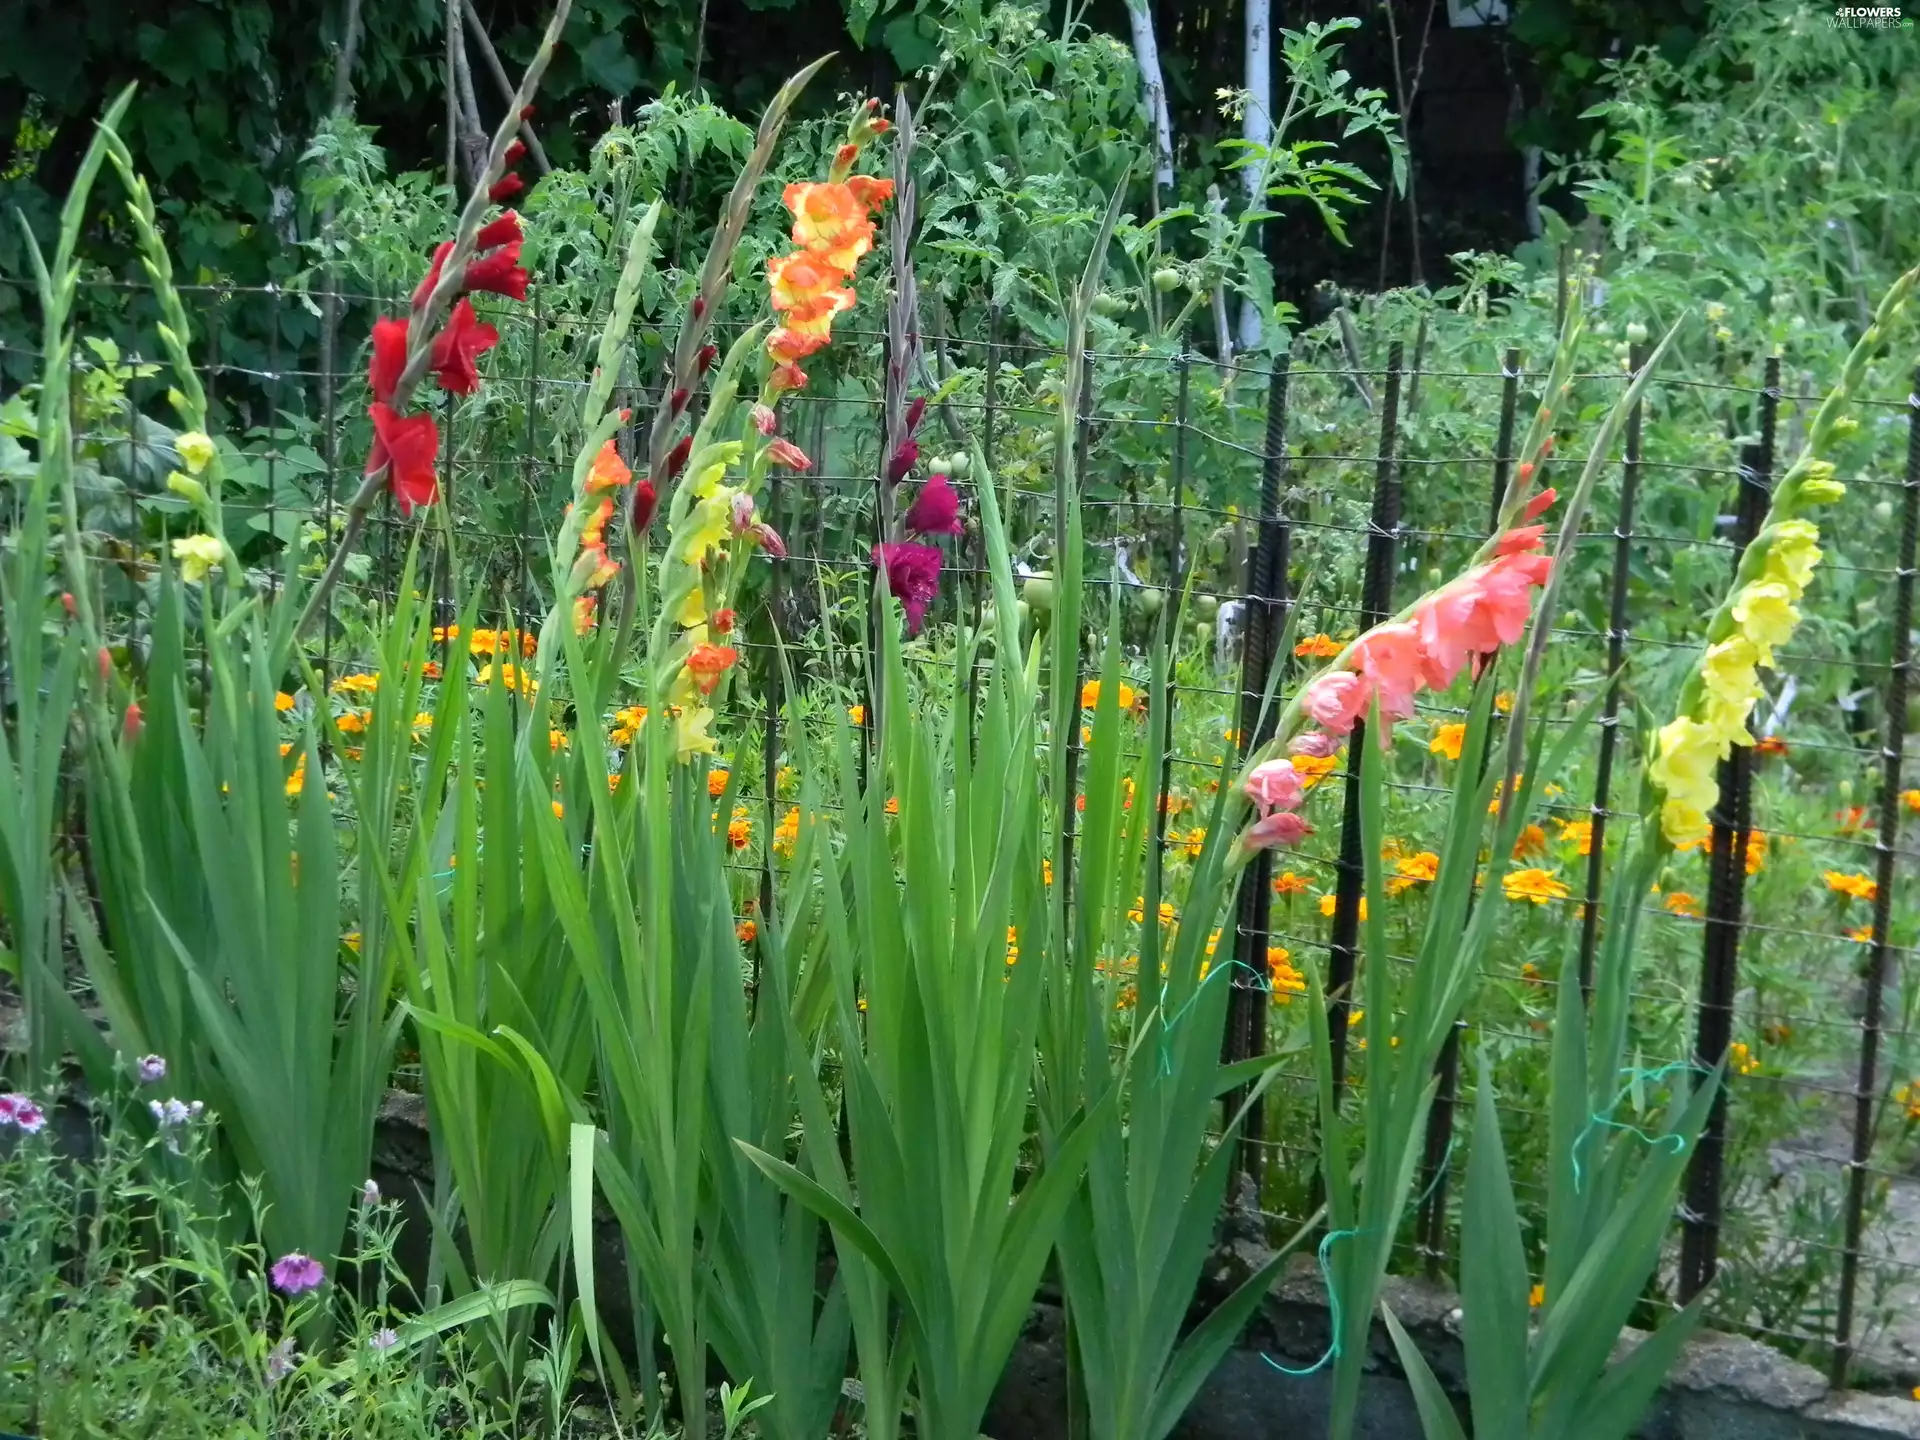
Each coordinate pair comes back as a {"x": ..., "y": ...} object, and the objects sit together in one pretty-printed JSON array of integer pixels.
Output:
[
  {"x": 1256, "y": 128},
  {"x": 1153, "y": 89}
]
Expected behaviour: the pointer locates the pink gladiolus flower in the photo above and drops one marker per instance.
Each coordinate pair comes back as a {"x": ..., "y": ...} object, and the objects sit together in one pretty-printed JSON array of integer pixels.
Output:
[
  {"x": 295, "y": 1273},
  {"x": 1275, "y": 785},
  {"x": 763, "y": 419},
  {"x": 1388, "y": 656},
  {"x": 1335, "y": 700},
  {"x": 784, "y": 452},
  {"x": 913, "y": 575},
  {"x": 1314, "y": 743},
  {"x": 1283, "y": 827},
  {"x": 742, "y": 514},
  {"x": 936, "y": 510},
  {"x": 1538, "y": 505},
  {"x": 768, "y": 539}
]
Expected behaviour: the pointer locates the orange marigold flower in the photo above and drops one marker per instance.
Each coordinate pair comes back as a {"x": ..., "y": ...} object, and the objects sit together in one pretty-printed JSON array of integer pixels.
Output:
[
  {"x": 1288, "y": 883},
  {"x": 857, "y": 714},
  {"x": 707, "y": 663},
  {"x": 1312, "y": 769},
  {"x": 1769, "y": 745},
  {"x": 1577, "y": 832},
  {"x": 717, "y": 782},
  {"x": 746, "y": 932},
  {"x": 1678, "y": 902},
  {"x": 1911, "y": 799},
  {"x": 1854, "y": 887},
  {"x": 1447, "y": 740},
  {"x": 1532, "y": 841},
  {"x": 1319, "y": 647},
  {"x": 1412, "y": 870}
]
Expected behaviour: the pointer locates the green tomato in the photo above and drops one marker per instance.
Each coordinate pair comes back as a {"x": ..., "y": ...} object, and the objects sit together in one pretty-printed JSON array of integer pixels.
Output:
[
  {"x": 1206, "y": 607},
  {"x": 959, "y": 463},
  {"x": 1038, "y": 592},
  {"x": 1109, "y": 304},
  {"x": 1151, "y": 600},
  {"x": 1166, "y": 279}
]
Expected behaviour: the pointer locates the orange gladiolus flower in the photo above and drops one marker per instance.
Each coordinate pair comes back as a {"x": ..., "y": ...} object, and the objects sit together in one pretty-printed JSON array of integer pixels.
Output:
[
  {"x": 609, "y": 471},
  {"x": 707, "y": 663},
  {"x": 835, "y": 221}
]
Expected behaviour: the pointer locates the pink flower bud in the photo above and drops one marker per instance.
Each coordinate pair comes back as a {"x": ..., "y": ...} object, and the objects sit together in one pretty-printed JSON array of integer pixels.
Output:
[
  {"x": 764, "y": 419},
  {"x": 1283, "y": 827},
  {"x": 784, "y": 452},
  {"x": 768, "y": 539},
  {"x": 132, "y": 724},
  {"x": 1316, "y": 744},
  {"x": 742, "y": 514}
]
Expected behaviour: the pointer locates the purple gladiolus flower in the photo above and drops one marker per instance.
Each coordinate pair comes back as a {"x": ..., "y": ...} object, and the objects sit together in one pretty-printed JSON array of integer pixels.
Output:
[
  {"x": 935, "y": 510},
  {"x": 913, "y": 575},
  {"x": 296, "y": 1273}
]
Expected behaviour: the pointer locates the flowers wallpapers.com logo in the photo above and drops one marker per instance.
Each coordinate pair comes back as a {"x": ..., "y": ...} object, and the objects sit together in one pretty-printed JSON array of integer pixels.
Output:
[{"x": 1870, "y": 17}]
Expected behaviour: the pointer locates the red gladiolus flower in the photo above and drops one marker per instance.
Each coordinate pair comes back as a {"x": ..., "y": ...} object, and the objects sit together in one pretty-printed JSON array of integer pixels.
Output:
[
  {"x": 677, "y": 401},
  {"x": 902, "y": 461},
  {"x": 498, "y": 273},
  {"x": 516, "y": 152},
  {"x": 389, "y": 357},
  {"x": 495, "y": 233},
  {"x": 406, "y": 444},
  {"x": 707, "y": 663},
  {"x": 913, "y": 576},
  {"x": 465, "y": 339},
  {"x": 723, "y": 622},
  {"x": 506, "y": 187},
  {"x": 677, "y": 457},
  {"x": 645, "y": 500},
  {"x": 432, "y": 277},
  {"x": 936, "y": 510}
]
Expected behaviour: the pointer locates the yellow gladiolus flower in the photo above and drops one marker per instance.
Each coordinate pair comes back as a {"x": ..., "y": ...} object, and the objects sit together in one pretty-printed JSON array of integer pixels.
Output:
[
  {"x": 194, "y": 449},
  {"x": 197, "y": 555},
  {"x": 1793, "y": 554},
  {"x": 1765, "y": 612}
]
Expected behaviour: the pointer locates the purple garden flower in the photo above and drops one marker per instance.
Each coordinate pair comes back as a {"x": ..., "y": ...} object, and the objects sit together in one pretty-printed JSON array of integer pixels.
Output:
[
  {"x": 295, "y": 1273},
  {"x": 370, "y": 1193},
  {"x": 151, "y": 1069},
  {"x": 384, "y": 1339},
  {"x": 16, "y": 1109},
  {"x": 913, "y": 575}
]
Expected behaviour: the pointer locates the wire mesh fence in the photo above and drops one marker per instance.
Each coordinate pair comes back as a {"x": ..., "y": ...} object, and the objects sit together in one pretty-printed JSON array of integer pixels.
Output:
[{"x": 1301, "y": 498}]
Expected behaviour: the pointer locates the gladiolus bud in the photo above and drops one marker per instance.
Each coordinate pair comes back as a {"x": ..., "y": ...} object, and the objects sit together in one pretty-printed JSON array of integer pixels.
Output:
[
  {"x": 66, "y": 602},
  {"x": 764, "y": 419},
  {"x": 516, "y": 152},
  {"x": 186, "y": 487},
  {"x": 784, "y": 452},
  {"x": 704, "y": 361},
  {"x": 742, "y": 514},
  {"x": 645, "y": 500},
  {"x": 1540, "y": 502},
  {"x": 844, "y": 157},
  {"x": 677, "y": 401},
  {"x": 131, "y": 725},
  {"x": 903, "y": 461},
  {"x": 505, "y": 188},
  {"x": 1526, "y": 471},
  {"x": 914, "y": 413},
  {"x": 677, "y": 457},
  {"x": 699, "y": 307},
  {"x": 526, "y": 112},
  {"x": 768, "y": 539},
  {"x": 104, "y": 662}
]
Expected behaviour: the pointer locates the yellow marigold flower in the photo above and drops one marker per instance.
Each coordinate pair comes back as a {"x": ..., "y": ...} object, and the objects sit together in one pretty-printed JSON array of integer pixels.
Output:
[
  {"x": 1013, "y": 945},
  {"x": 1911, "y": 799},
  {"x": 1861, "y": 935},
  {"x": 1854, "y": 887},
  {"x": 194, "y": 449},
  {"x": 354, "y": 722},
  {"x": 857, "y": 714},
  {"x": 1679, "y": 902},
  {"x": 359, "y": 683},
  {"x": 510, "y": 676},
  {"x": 297, "y": 781},
  {"x": 1499, "y": 788},
  {"x": 1503, "y": 702},
  {"x": 1318, "y": 647},
  {"x": 1535, "y": 885},
  {"x": 1577, "y": 832},
  {"x": 1328, "y": 903},
  {"x": 1195, "y": 842},
  {"x": 1765, "y": 613},
  {"x": 1447, "y": 739},
  {"x": 283, "y": 702},
  {"x": 786, "y": 834},
  {"x": 1532, "y": 841},
  {"x": 1741, "y": 1059},
  {"x": 1288, "y": 883},
  {"x": 740, "y": 829},
  {"x": 1282, "y": 979},
  {"x": 1046, "y": 871},
  {"x": 1411, "y": 870},
  {"x": 1792, "y": 555},
  {"x": 1312, "y": 769},
  {"x": 717, "y": 782},
  {"x": 1537, "y": 1296},
  {"x": 197, "y": 555}
]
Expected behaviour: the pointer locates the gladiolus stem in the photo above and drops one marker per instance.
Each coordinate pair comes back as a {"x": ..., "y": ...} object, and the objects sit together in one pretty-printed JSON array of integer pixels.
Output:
[{"x": 427, "y": 316}]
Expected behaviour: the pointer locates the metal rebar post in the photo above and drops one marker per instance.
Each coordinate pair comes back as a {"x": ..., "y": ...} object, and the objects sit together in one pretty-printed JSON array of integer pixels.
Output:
[
  {"x": 1726, "y": 888},
  {"x": 1376, "y": 599},
  {"x": 1267, "y": 604},
  {"x": 1610, "y": 707},
  {"x": 1879, "y": 945}
]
